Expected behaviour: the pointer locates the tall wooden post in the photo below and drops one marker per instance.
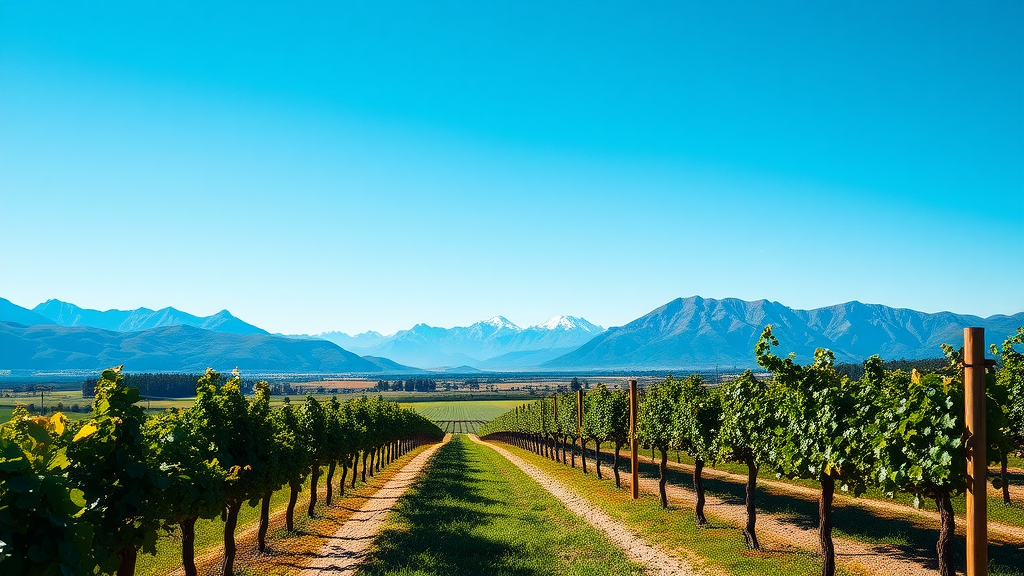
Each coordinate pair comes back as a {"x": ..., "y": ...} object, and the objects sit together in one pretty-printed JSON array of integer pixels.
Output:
[
  {"x": 579, "y": 424},
  {"x": 634, "y": 454},
  {"x": 977, "y": 448}
]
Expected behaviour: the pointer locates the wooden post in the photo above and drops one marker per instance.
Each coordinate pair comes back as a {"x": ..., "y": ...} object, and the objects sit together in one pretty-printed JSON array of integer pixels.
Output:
[
  {"x": 634, "y": 453},
  {"x": 579, "y": 423},
  {"x": 977, "y": 448}
]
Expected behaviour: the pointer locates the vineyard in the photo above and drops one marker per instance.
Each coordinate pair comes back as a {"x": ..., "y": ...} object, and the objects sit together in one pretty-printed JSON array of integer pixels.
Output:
[
  {"x": 752, "y": 460},
  {"x": 462, "y": 417},
  {"x": 85, "y": 496},
  {"x": 891, "y": 432}
]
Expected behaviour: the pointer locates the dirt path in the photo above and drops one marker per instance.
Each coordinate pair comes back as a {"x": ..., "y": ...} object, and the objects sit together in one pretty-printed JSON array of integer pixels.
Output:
[
  {"x": 345, "y": 550},
  {"x": 878, "y": 559},
  {"x": 635, "y": 548},
  {"x": 997, "y": 530}
]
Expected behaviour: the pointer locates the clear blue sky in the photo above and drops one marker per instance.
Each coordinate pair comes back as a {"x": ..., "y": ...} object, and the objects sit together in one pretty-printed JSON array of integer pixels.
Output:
[{"x": 347, "y": 166}]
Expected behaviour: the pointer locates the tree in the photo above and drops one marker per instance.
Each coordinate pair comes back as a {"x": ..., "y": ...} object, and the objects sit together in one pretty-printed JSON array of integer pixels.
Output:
[
  {"x": 657, "y": 425},
  {"x": 1010, "y": 383},
  {"x": 113, "y": 465},
  {"x": 618, "y": 413},
  {"x": 749, "y": 421},
  {"x": 268, "y": 474},
  {"x": 40, "y": 508},
  {"x": 233, "y": 434},
  {"x": 567, "y": 424},
  {"x": 192, "y": 479},
  {"x": 921, "y": 448},
  {"x": 700, "y": 421},
  {"x": 825, "y": 436},
  {"x": 575, "y": 384},
  {"x": 313, "y": 424},
  {"x": 597, "y": 422},
  {"x": 294, "y": 457}
]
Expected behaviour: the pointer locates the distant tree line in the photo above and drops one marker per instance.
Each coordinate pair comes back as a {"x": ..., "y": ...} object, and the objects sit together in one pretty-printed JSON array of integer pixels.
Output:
[
  {"x": 856, "y": 371},
  {"x": 410, "y": 385},
  {"x": 170, "y": 385}
]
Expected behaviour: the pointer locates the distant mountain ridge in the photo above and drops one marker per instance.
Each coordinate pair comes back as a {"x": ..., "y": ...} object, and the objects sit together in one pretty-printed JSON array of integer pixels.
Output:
[
  {"x": 169, "y": 348},
  {"x": 482, "y": 344},
  {"x": 700, "y": 332},
  {"x": 67, "y": 314}
]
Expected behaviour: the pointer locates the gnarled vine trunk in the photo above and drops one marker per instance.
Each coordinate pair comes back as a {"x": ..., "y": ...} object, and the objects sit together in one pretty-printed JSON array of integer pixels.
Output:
[
  {"x": 344, "y": 474},
  {"x": 330, "y": 482},
  {"x": 583, "y": 454},
  {"x": 230, "y": 549},
  {"x": 947, "y": 528},
  {"x": 698, "y": 487},
  {"x": 615, "y": 465},
  {"x": 828, "y": 550},
  {"x": 597, "y": 458},
  {"x": 314, "y": 479},
  {"x": 289, "y": 515},
  {"x": 261, "y": 534},
  {"x": 188, "y": 545},
  {"x": 749, "y": 532},
  {"x": 128, "y": 555},
  {"x": 1002, "y": 476},
  {"x": 662, "y": 476}
]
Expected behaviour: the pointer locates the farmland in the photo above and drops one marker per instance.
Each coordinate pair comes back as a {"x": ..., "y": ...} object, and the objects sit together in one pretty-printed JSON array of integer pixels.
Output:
[{"x": 472, "y": 411}]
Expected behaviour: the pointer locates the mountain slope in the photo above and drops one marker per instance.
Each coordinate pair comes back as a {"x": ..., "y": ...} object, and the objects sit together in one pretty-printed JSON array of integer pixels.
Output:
[
  {"x": 67, "y": 314},
  {"x": 168, "y": 348},
  {"x": 11, "y": 312},
  {"x": 700, "y": 332}
]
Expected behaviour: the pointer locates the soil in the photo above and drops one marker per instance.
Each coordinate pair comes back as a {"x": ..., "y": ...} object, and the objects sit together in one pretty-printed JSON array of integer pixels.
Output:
[{"x": 345, "y": 550}]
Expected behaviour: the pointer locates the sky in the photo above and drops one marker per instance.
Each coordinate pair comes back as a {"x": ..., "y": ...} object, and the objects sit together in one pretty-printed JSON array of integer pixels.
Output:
[{"x": 315, "y": 166}]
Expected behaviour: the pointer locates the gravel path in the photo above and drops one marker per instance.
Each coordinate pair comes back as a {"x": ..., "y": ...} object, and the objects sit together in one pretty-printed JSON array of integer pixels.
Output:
[
  {"x": 635, "y": 548},
  {"x": 345, "y": 550}
]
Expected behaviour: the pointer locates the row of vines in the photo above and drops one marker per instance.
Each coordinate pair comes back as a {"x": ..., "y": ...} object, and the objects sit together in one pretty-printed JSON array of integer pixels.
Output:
[
  {"x": 82, "y": 497},
  {"x": 899, "y": 431}
]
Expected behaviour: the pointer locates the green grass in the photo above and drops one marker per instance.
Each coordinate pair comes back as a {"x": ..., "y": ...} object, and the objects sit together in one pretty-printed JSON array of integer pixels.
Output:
[
  {"x": 472, "y": 512},
  {"x": 915, "y": 536},
  {"x": 719, "y": 547},
  {"x": 463, "y": 410}
]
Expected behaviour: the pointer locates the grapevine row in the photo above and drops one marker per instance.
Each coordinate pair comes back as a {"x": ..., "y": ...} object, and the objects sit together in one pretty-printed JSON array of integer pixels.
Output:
[
  {"x": 77, "y": 497},
  {"x": 899, "y": 431}
]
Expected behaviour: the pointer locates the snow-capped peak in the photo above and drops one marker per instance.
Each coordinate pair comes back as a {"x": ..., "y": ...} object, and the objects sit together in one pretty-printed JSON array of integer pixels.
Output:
[
  {"x": 569, "y": 323},
  {"x": 501, "y": 322}
]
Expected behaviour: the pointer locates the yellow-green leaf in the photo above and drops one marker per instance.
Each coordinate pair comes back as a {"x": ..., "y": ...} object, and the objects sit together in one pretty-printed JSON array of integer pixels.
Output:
[{"x": 85, "y": 432}]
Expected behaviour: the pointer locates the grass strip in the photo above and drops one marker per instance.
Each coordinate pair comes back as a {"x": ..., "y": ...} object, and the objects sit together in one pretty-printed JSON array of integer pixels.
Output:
[{"x": 473, "y": 512}]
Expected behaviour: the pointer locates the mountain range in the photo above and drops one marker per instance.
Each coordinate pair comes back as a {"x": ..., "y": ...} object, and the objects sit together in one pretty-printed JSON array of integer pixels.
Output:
[
  {"x": 496, "y": 344},
  {"x": 67, "y": 314},
  {"x": 700, "y": 332},
  {"x": 169, "y": 348},
  {"x": 686, "y": 333}
]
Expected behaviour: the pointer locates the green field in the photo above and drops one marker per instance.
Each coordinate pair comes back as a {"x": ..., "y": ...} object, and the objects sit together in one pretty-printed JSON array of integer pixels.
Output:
[{"x": 463, "y": 410}]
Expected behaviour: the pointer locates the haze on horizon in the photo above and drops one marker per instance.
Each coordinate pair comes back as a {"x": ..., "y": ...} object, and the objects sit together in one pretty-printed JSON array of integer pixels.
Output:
[{"x": 315, "y": 167}]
